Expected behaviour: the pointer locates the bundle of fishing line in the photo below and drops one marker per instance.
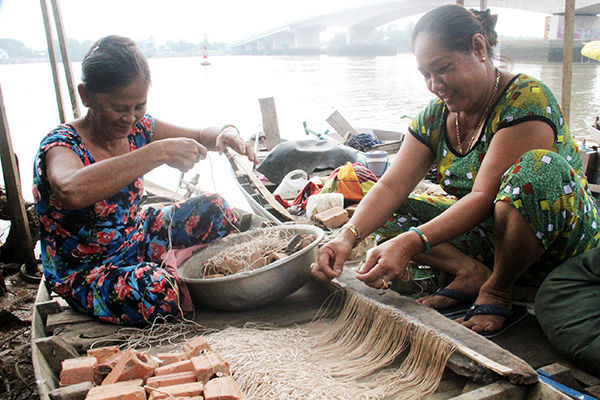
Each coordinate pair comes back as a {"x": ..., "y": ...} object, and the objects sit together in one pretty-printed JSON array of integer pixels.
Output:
[{"x": 366, "y": 351}]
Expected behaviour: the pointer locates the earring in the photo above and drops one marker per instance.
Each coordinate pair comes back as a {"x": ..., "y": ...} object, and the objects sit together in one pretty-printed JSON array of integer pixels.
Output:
[{"x": 483, "y": 59}]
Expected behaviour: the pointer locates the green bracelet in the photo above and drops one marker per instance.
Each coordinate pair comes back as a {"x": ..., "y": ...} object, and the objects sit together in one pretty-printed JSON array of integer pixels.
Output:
[
  {"x": 227, "y": 126},
  {"x": 423, "y": 238}
]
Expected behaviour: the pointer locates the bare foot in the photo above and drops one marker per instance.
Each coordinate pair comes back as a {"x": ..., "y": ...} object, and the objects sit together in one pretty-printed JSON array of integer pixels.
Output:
[
  {"x": 486, "y": 322},
  {"x": 468, "y": 280}
]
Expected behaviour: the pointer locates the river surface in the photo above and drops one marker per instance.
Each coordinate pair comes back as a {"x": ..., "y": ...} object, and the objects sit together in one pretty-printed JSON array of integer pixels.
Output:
[{"x": 369, "y": 92}]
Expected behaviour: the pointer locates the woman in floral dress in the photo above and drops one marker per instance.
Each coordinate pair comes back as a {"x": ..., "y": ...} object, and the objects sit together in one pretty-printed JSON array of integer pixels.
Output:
[{"x": 100, "y": 250}]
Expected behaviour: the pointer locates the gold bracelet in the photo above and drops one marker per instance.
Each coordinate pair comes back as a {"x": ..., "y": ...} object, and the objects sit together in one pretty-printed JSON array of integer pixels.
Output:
[{"x": 352, "y": 228}]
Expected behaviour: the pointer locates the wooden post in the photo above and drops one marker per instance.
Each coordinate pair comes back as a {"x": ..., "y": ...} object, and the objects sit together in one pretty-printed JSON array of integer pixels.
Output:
[
  {"x": 53, "y": 61},
  {"x": 568, "y": 59},
  {"x": 460, "y": 2},
  {"x": 14, "y": 197},
  {"x": 270, "y": 124},
  {"x": 64, "y": 52},
  {"x": 483, "y": 5}
]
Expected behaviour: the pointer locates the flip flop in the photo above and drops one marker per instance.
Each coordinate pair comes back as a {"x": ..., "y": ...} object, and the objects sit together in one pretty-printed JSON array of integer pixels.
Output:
[
  {"x": 465, "y": 302},
  {"x": 513, "y": 316}
]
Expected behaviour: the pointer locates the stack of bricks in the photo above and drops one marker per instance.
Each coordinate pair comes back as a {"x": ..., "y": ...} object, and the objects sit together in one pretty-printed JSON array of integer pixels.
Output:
[{"x": 108, "y": 373}]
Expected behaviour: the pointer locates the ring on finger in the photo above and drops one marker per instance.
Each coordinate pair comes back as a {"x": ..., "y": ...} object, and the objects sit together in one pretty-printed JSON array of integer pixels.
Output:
[{"x": 385, "y": 284}]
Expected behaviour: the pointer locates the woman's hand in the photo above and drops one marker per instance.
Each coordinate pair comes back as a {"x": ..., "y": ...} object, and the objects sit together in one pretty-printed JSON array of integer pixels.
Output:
[
  {"x": 230, "y": 137},
  {"x": 182, "y": 153},
  {"x": 332, "y": 256},
  {"x": 385, "y": 263}
]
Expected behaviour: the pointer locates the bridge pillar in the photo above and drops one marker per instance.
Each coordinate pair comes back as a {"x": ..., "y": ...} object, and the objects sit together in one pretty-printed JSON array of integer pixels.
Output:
[
  {"x": 361, "y": 36},
  {"x": 307, "y": 41},
  {"x": 277, "y": 44},
  {"x": 261, "y": 46},
  {"x": 249, "y": 48}
]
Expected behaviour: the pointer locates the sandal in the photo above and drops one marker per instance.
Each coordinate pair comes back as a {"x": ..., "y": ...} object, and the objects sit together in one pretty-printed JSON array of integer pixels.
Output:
[{"x": 514, "y": 315}]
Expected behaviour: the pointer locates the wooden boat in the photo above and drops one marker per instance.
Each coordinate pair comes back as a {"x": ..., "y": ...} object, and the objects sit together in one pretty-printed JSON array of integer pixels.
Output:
[
  {"x": 259, "y": 191},
  {"x": 592, "y": 130},
  {"x": 478, "y": 369}
]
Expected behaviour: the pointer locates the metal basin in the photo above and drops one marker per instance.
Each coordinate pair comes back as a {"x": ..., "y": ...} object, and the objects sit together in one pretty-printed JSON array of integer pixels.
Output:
[{"x": 250, "y": 289}]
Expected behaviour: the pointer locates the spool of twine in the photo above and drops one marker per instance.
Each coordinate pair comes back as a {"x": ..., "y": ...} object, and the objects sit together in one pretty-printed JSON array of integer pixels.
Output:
[{"x": 321, "y": 202}]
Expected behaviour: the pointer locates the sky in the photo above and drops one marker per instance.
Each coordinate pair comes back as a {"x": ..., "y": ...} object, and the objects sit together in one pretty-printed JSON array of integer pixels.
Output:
[{"x": 190, "y": 20}]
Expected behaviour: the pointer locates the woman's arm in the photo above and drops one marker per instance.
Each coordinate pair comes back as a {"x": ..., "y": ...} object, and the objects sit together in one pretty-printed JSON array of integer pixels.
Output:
[
  {"x": 77, "y": 186},
  {"x": 408, "y": 167},
  {"x": 212, "y": 138}
]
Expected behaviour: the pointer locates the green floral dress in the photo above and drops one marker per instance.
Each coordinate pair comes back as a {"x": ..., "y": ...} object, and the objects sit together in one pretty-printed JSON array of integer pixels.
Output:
[{"x": 547, "y": 187}]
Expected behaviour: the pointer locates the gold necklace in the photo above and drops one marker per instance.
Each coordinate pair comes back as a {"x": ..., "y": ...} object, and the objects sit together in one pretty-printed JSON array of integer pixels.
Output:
[{"x": 487, "y": 109}]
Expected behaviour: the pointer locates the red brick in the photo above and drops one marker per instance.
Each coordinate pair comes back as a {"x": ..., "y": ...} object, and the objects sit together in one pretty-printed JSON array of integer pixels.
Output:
[
  {"x": 102, "y": 353},
  {"x": 195, "y": 346},
  {"x": 223, "y": 388},
  {"x": 170, "y": 358},
  {"x": 126, "y": 390},
  {"x": 77, "y": 370},
  {"x": 185, "y": 390},
  {"x": 111, "y": 361},
  {"x": 332, "y": 218},
  {"x": 171, "y": 380},
  {"x": 181, "y": 366},
  {"x": 132, "y": 365},
  {"x": 207, "y": 365}
]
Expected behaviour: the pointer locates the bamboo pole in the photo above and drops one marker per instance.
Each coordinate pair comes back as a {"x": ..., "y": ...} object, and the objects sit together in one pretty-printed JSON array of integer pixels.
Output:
[
  {"x": 65, "y": 57},
  {"x": 568, "y": 59},
  {"x": 12, "y": 181},
  {"x": 53, "y": 61}
]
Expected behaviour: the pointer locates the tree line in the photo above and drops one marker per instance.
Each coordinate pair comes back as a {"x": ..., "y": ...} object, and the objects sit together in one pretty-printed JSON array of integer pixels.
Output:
[{"x": 16, "y": 50}]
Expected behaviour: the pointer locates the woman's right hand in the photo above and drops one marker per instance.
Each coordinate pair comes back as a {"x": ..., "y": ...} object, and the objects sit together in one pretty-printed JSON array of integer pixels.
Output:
[
  {"x": 182, "y": 153},
  {"x": 332, "y": 256}
]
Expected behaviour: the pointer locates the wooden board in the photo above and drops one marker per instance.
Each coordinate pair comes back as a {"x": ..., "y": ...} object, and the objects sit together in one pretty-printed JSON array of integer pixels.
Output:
[
  {"x": 270, "y": 124},
  {"x": 339, "y": 123},
  {"x": 240, "y": 165},
  {"x": 470, "y": 344}
]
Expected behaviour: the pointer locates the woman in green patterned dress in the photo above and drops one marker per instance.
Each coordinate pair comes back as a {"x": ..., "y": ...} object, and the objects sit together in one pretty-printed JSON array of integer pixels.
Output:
[{"x": 503, "y": 149}]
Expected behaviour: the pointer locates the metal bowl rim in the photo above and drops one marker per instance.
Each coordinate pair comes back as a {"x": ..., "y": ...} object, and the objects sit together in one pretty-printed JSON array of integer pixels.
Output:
[{"x": 260, "y": 270}]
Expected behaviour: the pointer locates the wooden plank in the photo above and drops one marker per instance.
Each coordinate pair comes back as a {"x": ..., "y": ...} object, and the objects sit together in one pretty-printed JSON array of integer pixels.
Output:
[
  {"x": 339, "y": 123},
  {"x": 501, "y": 390},
  {"x": 12, "y": 181},
  {"x": 55, "y": 349},
  {"x": 235, "y": 160},
  {"x": 64, "y": 52},
  {"x": 270, "y": 124},
  {"x": 53, "y": 61},
  {"x": 470, "y": 344},
  {"x": 567, "y": 78},
  {"x": 161, "y": 192},
  {"x": 67, "y": 317}
]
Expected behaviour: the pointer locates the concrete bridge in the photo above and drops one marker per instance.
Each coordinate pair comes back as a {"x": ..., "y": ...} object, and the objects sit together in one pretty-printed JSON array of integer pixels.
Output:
[{"x": 303, "y": 36}]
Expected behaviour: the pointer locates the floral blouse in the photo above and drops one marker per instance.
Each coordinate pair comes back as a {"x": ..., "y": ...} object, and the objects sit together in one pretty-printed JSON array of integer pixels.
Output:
[
  {"x": 74, "y": 240},
  {"x": 523, "y": 99}
]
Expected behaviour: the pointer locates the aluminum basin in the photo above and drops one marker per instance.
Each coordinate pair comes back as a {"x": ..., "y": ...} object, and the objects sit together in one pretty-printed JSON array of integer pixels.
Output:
[{"x": 246, "y": 290}]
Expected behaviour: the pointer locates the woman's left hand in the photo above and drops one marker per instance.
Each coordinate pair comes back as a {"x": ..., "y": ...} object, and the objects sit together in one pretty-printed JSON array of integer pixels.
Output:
[
  {"x": 385, "y": 263},
  {"x": 230, "y": 137}
]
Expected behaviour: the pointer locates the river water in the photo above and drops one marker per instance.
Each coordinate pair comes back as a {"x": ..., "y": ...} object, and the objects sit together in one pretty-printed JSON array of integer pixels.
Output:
[{"x": 368, "y": 92}]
